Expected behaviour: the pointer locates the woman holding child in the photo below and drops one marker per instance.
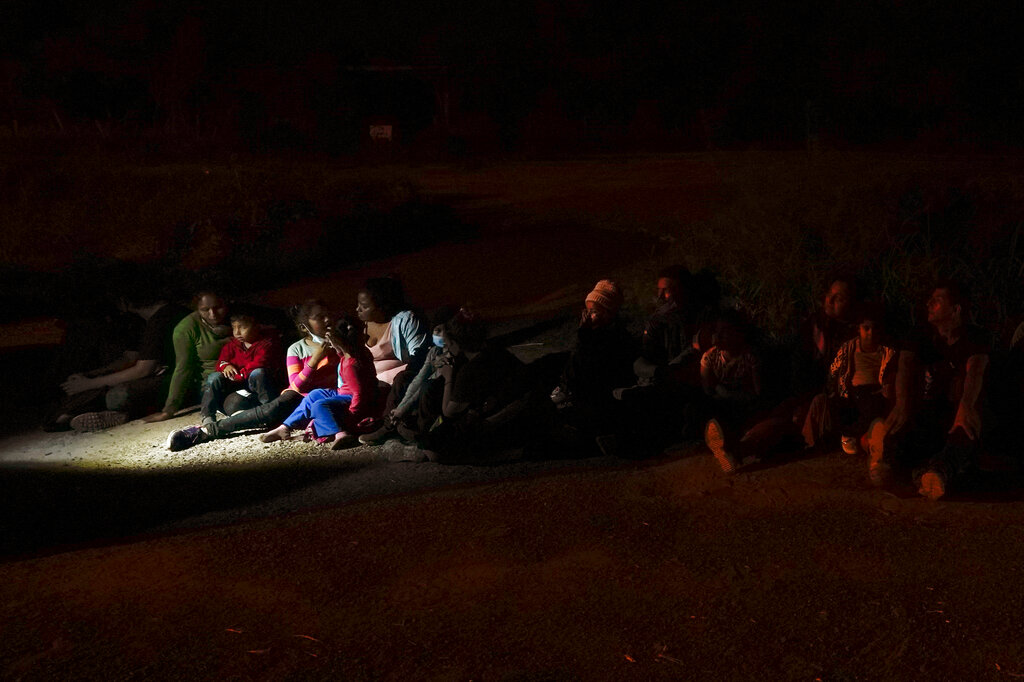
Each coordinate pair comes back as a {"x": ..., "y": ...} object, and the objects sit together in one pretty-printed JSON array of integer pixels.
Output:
[
  {"x": 311, "y": 363},
  {"x": 197, "y": 340}
]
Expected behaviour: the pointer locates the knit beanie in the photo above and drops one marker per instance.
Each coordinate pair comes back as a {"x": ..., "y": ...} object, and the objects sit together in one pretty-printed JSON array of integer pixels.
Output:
[{"x": 606, "y": 294}]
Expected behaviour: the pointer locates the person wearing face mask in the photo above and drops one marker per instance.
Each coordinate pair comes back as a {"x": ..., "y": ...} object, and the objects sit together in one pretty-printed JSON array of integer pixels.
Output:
[
  {"x": 420, "y": 405},
  {"x": 197, "y": 341}
]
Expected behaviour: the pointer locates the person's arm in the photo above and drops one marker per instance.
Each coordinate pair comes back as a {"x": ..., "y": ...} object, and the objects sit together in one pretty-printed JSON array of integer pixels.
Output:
[
  {"x": 299, "y": 371},
  {"x": 508, "y": 412},
  {"x": 906, "y": 367},
  {"x": 967, "y": 416},
  {"x": 262, "y": 351},
  {"x": 410, "y": 339},
  {"x": 184, "y": 364},
  {"x": 139, "y": 370},
  {"x": 227, "y": 364},
  {"x": 835, "y": 370},
  {"x": 412, "y": 391},
  {"x": 127, "y": 359},
  {"x": 708, "y": 380},
  {"x": 449, "y": 407}
]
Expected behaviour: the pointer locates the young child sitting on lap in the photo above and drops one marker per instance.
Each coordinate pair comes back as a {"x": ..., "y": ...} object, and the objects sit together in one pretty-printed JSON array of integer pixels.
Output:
[
  {"x": 246, "y": 362},
  {"x": 338, "y": 415}
]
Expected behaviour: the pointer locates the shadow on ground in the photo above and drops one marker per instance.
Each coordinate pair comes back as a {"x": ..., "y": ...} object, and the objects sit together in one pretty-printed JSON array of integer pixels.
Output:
[{"x": 55, "y": 509}]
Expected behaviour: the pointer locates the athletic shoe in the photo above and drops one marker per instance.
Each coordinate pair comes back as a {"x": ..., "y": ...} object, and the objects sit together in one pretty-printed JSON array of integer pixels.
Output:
[
  {"x": 407, "y": 434},
  {"x": 714, "y": 438},
  {"x": 97, "y": 421},
  {"x": 849, "y": 445},
  {"x": 183, "y": 439},
  {"x": 878, "y": 471},
  {"x": 396, "y": 451},
  {"x": 932, "y": 485},
  {"x": 385, "y": 432}
]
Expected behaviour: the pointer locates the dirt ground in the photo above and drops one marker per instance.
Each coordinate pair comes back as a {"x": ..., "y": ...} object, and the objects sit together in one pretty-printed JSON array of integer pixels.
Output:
[
  {"x": 238, "y": 560},
  {"x": 662, "y": 570}
]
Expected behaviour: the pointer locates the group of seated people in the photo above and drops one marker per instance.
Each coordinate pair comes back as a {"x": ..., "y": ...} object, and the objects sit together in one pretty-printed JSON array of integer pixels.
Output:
[{"x": 917, "y": 406}]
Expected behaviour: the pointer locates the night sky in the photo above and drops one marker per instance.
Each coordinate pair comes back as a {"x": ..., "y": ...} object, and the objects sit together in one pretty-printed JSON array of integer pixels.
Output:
[{"x": 722, "y": 75}]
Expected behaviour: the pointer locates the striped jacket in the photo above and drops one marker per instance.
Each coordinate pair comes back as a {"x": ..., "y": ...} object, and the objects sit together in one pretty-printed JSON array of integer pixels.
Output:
[{"x": 840, "y": 374}]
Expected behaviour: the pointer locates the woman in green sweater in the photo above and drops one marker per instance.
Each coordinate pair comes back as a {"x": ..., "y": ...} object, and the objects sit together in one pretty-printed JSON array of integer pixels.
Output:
[{"x": 197, "y": 342}]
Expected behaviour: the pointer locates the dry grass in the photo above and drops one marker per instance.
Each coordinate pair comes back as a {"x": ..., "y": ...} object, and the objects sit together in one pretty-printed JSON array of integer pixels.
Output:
[{"x": 771, "y": 224}]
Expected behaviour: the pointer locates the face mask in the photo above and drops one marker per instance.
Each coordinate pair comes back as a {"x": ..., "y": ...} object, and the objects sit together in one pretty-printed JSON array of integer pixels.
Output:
[
  {"x": 315, "y": 338},
  {"x": 438, "y": 341}
]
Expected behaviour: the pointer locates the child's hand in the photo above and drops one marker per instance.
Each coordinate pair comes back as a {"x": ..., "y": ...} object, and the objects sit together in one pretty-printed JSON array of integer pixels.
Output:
[{"x": 229, "y": 371}]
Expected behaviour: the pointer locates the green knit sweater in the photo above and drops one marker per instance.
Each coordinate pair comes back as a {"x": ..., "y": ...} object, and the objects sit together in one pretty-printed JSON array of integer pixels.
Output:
[{"x": 196, "y": 349}]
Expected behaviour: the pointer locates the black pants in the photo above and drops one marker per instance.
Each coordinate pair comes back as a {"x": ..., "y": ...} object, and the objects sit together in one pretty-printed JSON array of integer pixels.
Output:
[
  {"x": 261, "y": 416},
  {"x": 928, "y": 445},
  {"x": 863, "y": 406},
  {"x": 217, "y": 387}
]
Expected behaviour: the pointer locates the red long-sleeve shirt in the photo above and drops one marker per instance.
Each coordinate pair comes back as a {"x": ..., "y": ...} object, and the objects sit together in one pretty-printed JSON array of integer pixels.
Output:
[
  {"x": 357, "y": 378},
  {"x": 264, "y": 353}
]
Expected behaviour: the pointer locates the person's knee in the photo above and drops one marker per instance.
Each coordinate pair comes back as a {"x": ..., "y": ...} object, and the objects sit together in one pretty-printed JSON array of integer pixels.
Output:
[
  {"x": 215, "y": 379},
  {"x": 117, "y": 398}
]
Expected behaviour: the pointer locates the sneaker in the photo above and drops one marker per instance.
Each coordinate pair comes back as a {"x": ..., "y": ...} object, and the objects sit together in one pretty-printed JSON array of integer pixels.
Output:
[
  {"x": 396, "y": 451},
  {"x": 183, "y": 439},
  {"x": 407, "y": 434},
  {"x": 849, "y": 445},
  {"x": 714, "y": 438},
  {"x": 97, "y": 421},
  {"x": 878, "y": 470},
  {"x": 932, "y": 485},
  {"x": 385, "y": 432}
]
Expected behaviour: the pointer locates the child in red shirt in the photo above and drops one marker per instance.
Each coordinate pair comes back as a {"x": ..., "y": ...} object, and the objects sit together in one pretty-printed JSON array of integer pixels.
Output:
[
  {"x": 339, "y": 416},
  {"x": 247, "y": 361}
]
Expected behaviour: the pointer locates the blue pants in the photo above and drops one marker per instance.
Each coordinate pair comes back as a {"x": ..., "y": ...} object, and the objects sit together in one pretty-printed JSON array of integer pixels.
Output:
[{"x": 322, "y": 406}]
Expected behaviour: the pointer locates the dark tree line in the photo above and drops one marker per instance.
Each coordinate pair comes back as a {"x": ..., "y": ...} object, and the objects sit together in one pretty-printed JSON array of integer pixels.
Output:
[{"x": 701, "y": 75}]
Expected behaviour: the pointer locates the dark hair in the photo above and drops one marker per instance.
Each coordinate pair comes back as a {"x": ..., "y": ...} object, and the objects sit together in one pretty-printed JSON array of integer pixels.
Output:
[
  {"x": 844, "y": 277},
  {"x": 679, "y": 273},
  {"x": 243, "y": 316},
  {"x": 348, "y": 331},
  {"x": 443, "y": 314},
  {"x": 707, "y": 292},
  {"x": 387, "y": 294},
  {"x": 738, "y": 320},
  {"x": 205, "y": 292},
  {"x": 137, "y": 285},
  {"x": 467, "y": 330},
  {"x": 958, "y": 292},
  {"x": 300, "y": 313},
  {"x": 870, "y": 310}
]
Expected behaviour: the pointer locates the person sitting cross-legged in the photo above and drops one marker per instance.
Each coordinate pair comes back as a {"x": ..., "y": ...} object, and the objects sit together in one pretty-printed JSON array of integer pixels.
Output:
[{"x": 247, "y": 362}]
